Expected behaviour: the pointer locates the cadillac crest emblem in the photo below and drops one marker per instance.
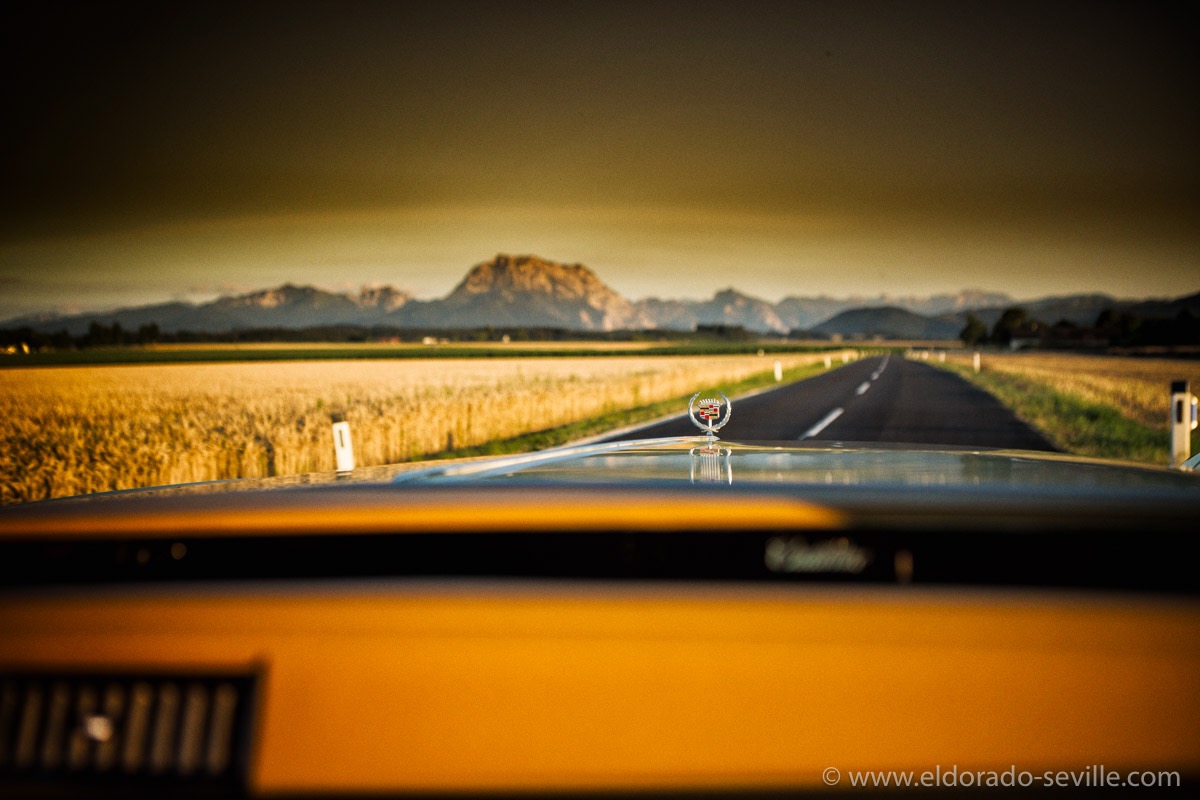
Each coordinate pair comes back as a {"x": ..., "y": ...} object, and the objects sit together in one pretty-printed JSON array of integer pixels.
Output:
[{"x": 710, "y": 413}]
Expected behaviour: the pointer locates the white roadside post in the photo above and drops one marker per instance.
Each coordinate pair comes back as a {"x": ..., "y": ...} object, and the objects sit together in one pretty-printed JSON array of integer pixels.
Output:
[
  {"x": 778, "y": 371},
  {"x": 1183, "y": 422},
  {"x": 975, "y": 361},
  {"x": 342, "y": 448}
]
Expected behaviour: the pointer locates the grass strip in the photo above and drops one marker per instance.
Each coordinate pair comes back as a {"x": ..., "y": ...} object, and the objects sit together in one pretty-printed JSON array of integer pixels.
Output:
[
  {"x": 106, "y": 356},
  {"x": 1074, "y": 425},
  {"x": 565, "y": 434}
]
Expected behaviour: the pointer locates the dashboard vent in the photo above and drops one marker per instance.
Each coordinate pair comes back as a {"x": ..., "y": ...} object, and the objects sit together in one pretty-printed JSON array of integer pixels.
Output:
[{"x": 125, "y": 729}]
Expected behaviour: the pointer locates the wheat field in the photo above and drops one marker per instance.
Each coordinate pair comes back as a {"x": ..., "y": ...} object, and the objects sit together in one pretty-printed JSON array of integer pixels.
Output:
[
  {"x": 1138, "y": 389},
  {"x": 75, "y": 430}
]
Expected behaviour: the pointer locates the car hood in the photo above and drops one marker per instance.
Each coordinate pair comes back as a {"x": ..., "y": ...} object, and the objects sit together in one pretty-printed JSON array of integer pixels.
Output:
[
  {"x": 698, "y": 462},
  {"x": 966, "y": 516}
]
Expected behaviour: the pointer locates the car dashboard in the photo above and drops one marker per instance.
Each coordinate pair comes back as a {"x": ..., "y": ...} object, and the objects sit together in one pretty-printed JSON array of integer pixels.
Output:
[{"x": 606, "y": 621}]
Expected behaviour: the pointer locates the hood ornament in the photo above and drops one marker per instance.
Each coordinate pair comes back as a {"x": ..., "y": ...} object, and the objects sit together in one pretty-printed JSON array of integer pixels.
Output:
[
  {"x": 710, "y": 413},
  {"x": 710, "y": 463}
]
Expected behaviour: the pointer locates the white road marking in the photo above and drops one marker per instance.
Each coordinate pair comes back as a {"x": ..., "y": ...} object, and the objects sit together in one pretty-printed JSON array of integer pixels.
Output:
[
  {"x": 828, "y": 419},
  {"x": 823, "y": 424}
]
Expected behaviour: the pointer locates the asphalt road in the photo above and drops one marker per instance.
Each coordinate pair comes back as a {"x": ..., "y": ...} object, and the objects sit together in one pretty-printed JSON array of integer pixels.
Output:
[{"x": 881, "y": 399}]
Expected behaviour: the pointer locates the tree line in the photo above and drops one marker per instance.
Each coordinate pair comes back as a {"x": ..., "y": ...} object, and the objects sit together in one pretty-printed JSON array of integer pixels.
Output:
[
  {"x": 1111, "y": 328},
  {"x": 115, "y": 335},
  {"x": 97, "y": 335}
]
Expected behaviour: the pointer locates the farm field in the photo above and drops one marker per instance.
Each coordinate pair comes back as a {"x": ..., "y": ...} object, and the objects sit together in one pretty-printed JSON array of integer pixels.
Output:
[
  {"x": 1092, "y": 405},
  {"x": 75, "y": 430}
]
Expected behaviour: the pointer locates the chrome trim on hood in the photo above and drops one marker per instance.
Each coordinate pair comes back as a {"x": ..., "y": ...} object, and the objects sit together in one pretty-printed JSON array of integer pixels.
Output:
[{"x": 503, "y": 464}]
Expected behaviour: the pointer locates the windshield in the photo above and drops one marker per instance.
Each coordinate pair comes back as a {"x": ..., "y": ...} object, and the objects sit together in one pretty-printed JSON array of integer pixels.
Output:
[{"x": 239, "y": 243}]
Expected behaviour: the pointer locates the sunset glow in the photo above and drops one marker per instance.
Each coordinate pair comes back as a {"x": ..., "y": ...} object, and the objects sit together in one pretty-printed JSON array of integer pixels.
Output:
[{"x": 674, "y": 148}]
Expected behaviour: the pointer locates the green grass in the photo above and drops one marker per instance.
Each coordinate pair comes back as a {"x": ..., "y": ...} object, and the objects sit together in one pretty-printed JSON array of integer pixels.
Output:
[
  {"x": 565, "y": 434},
  {"x": 227, "y": 354},
  {"x": 1074, "y": 425}
]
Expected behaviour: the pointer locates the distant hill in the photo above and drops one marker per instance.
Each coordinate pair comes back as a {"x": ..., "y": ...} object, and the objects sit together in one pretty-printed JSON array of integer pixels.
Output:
[
  {"x": 889, "y": 322},
  {"x": 806, "y": 313},
  {"x": 732, "y": 308},
  {"x": 528, "y": 291},
  {"x": 287, "y": 306},
  {"x": 1085, "y": 309},
  {"x": 1166, "y": 308}
]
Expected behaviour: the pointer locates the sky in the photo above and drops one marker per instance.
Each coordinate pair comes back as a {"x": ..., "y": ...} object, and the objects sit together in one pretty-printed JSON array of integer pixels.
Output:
[{"x": 180, "y": 151}]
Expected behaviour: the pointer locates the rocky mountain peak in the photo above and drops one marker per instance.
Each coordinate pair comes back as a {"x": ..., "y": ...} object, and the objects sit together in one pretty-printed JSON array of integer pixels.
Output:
[
  {"x": 512, "y": 275},
  {"x": 285, "y": 295},
  {"x": 382, "y": 298},
  {"x": 528, "y": 290},
  {"x": 731, "y": 307}
]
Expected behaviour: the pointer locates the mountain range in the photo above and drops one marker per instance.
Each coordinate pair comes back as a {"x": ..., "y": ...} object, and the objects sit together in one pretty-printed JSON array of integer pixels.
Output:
[{"x": 527, "y": 291}]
